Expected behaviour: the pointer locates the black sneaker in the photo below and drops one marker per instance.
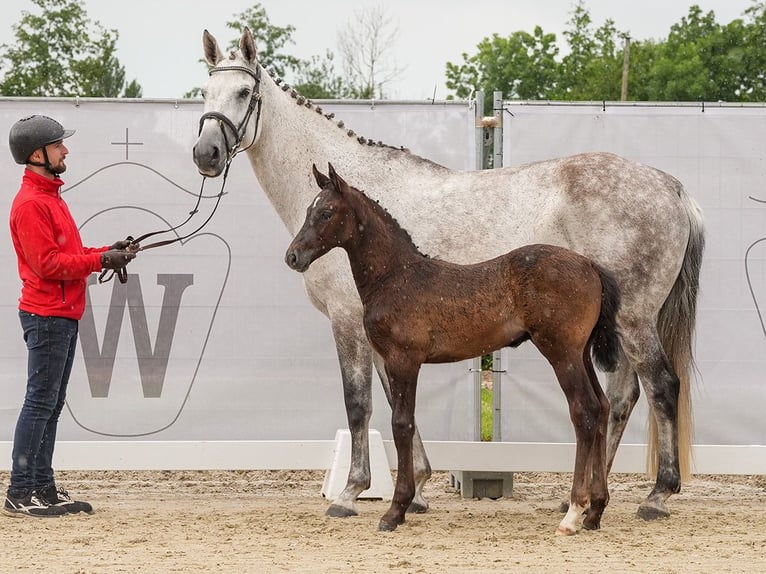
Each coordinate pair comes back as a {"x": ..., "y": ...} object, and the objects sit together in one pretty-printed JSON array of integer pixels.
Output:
[
  {"x": 31, "y": 505},
  {"x": 59, "y": 498}
]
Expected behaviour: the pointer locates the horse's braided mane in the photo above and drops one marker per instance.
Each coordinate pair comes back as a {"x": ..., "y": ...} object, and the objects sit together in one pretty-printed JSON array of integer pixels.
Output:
[{"x": 305, "y": 102}]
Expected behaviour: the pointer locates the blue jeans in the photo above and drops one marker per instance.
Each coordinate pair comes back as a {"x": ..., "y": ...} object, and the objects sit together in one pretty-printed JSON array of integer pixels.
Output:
[{"x": 51, "y": 344}]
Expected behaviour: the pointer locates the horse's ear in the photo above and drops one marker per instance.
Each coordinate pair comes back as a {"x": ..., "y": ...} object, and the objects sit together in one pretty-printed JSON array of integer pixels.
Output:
[
  {"x": 322, "y": 179},
  {"x": 336, "y": 180},
  {"x": 213, "y": 53},
  {"x": 247, "y": 46}
]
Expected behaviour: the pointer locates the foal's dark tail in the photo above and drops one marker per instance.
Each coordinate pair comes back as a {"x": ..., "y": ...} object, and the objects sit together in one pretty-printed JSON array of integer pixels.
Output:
[{"x": 604, "y": 341}]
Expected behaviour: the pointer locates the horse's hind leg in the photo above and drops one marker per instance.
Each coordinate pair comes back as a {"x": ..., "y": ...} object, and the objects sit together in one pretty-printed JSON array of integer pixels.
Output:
[
  {"x": 355, "y": 358},
  {"x": 662, "y": 387},
  {"x": 622, "y": 391},
  {"x": 422, "y": 468}
]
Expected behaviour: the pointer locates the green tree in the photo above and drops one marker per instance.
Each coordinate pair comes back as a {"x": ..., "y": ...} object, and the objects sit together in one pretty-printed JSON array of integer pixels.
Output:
[
  {"x": 592, "y": 70},
  {"x": 687, "y": 66},
  {"x": 753, "y": 82},
  {"x": 60, "y": 52},
  {"x": 269, "y": 39},
  {"x": 582, "y": 48},
  {"x": 522, "y": 66},
  {"x": 316, "y": 79},
  {"x": 704, "y": 60},
  {"x": 699, "y": 60}
]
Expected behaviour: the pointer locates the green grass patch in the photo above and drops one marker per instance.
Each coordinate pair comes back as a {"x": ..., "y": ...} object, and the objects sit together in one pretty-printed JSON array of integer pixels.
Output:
[{"x": 486, "y": 415}]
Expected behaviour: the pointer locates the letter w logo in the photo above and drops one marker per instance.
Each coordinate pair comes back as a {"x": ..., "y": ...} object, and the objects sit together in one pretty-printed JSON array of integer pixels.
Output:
[{"x": 152, "y": 363}]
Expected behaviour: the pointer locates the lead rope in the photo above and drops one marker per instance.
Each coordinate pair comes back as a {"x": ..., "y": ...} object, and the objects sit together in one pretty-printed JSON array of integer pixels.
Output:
[{"x": 122, "y": 273}]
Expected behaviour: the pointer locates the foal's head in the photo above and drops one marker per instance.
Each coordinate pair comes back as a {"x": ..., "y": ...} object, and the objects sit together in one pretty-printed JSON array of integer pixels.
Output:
[{"x": 330, "y": 222}]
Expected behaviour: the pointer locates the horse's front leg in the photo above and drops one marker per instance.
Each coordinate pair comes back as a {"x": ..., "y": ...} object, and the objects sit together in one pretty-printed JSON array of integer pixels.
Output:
[
  {"x": 421, "y": 466},
  {"x": 355, "y": 358},
  {"x": 403, "y": 377}
]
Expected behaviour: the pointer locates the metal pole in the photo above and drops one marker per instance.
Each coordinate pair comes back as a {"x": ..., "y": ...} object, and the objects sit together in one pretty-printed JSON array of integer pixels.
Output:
[
  {"x": 497, "y": 108},
  {"x": 625, "y": 69},
  {"x": 497, "y": 163},
  {"x": 479, "y": 114}
]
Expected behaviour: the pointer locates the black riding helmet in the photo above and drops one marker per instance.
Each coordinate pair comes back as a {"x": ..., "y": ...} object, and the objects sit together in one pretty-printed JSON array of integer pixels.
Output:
[{"x": 35, "y": 132}]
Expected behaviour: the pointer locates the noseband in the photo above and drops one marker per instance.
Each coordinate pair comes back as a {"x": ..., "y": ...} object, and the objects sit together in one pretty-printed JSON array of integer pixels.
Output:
[{"x": 238, "y": 131}]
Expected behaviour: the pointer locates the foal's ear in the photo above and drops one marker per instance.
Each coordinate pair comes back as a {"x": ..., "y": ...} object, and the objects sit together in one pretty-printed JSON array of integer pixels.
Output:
[
  {"x": 247, "y": 46},
  {"x": 210, "y": 47},
  {"x": 322, "y": 179},
  {"x": 336, "y": 180}
]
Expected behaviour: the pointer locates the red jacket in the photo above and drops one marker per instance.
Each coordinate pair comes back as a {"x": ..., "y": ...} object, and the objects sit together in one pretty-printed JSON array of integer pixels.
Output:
[{"x": 53, "y": 264}]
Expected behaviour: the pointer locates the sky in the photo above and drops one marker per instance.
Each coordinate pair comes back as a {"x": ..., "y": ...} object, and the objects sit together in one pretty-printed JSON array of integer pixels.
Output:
[{"x": 160, "y": 43}]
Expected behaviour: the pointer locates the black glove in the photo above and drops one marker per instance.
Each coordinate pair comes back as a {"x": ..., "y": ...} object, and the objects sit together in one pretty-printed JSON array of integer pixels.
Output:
[
  {"x": 115, "y": 259},
  {"x": 125, "y": 244}
]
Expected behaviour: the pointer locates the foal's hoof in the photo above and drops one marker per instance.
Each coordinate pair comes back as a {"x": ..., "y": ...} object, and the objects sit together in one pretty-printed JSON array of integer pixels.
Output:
[
  {"x": 338, "y": 511},
  {"x": 565, "y": 531},
  {"x": 591, "y": 524},
  {"x": 649, "y": 511}
]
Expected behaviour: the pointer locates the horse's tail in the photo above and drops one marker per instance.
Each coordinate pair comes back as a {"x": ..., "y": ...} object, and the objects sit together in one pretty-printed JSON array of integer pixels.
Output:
[
  {"x": 605, "y": 343},
  {"x": 675, "y": 325}
]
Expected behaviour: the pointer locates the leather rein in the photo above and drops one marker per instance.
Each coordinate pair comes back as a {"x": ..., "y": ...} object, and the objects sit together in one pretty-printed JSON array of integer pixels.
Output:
[{"x": 231, "y": 151}]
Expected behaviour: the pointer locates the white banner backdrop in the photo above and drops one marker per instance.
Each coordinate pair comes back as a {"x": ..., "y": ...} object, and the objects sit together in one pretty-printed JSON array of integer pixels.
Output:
[
  {"x": 719, "y": 154},
  {"x": 213, "y": 339}
]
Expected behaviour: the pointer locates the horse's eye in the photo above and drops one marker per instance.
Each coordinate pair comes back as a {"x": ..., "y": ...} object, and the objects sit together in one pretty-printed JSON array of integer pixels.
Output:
[
  {"x": 326, "y": 215},
  {"x": 203, "y": 93},
  {"x": 244, "y": 93}
]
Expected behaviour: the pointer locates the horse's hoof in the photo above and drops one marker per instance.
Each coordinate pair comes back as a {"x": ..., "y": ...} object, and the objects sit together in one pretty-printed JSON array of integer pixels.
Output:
[
  {"x": 417, "y": 508},
  {"x": 386, "y": 527},
  {"x": 338, "y": 511},
  {"x": 648, "y": 511}
]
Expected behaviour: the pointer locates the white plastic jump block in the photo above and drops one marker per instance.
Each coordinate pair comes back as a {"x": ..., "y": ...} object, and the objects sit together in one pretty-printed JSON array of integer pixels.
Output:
[{"x": 381, "y": 484}]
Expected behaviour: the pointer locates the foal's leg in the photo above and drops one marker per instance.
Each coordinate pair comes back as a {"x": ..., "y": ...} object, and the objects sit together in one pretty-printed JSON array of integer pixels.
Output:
[
  {"x": 585, "y": 412},
  {"x": 355, "y": 358},
  {"x": 622, "y": 392},
  {"x": 662, "y": 387},
  {"x": 599, "y": 492},
  {"x": 403, "y": 376},
  {"x": 422, "y": 468}
]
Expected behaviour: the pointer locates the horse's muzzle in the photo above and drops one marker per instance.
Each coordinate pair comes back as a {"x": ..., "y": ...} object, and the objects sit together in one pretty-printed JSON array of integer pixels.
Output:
[{"x": 209, "y": 159}]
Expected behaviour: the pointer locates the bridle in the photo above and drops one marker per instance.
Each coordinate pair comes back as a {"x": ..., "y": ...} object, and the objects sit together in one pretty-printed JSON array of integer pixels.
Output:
[
  {"x": 231, "y": 151},
  {"x": 238, "y": 131}
]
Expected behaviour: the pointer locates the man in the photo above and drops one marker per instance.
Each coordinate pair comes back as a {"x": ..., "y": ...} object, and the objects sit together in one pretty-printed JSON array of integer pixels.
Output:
[{"x": 53, "y": 266}]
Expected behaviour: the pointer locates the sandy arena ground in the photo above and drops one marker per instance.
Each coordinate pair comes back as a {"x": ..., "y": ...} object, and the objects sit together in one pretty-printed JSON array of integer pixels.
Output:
[{"x": 264, "y": 522}]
